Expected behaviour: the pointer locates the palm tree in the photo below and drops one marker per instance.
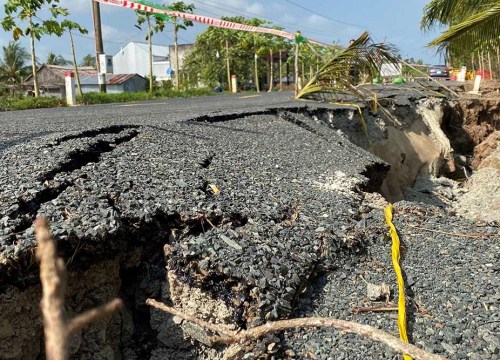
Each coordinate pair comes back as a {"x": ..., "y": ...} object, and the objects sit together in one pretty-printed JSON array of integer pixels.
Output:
[
  {"x": 13, "y": 66},
  {"x": 179, "y": 6},
  {"x": 336, "y": 75},
  {"x": 53, "y": 59},
  {"x": 88, "y": 60},
  {"x": 473, "y": 25},
  {"x": 26, "y": 13}
]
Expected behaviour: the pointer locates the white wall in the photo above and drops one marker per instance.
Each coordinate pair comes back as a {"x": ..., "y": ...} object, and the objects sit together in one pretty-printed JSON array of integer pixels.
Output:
[{"x": 134, "y": 59}]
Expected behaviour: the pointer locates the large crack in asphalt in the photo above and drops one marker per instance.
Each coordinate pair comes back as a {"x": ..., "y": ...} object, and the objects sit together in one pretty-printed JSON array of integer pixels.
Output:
[
  {"x": 27, "y": 210},
  {"x": 248, "y": 220}
]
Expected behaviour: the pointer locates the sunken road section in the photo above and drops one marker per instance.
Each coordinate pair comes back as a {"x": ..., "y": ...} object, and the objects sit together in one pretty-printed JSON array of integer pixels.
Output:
[
  {"x": 249, "y": 202},
  {"x": 238, "y": 218}
]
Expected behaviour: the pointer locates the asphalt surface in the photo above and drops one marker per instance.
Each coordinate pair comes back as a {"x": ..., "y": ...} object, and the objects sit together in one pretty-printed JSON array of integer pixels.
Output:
[{"x": 262, "y": 205}]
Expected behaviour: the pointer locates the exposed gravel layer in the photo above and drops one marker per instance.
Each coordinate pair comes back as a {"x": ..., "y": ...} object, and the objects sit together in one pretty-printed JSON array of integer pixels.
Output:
[
  {"x": 453, "y": 279},
  {"x": 258, "y": 203},
  {"x": 98, "y": 186}
]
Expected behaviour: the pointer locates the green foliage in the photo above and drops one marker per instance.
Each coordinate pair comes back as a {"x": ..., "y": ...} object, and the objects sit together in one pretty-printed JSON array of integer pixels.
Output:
[
  {"x": 53, "y": 59},
  {"x": 13, "y": 66},
  {"x": 88, "y": 60},
  {"x": 340, "y": 73},
  {"x": 410, "y": 70},
  {"x": 71, "y": 26},
  {"x": 472, "y": 25},
  {"x": 12, "y": 103},
  {"x": 181, "y": 6},
  {"x": 149, "y": 18},
  {"x": 22, "y": 10},
  {"x": 9, "y": 103},
  {"x": 104, "y": 98},
  {"x": 202, "y": 65}
]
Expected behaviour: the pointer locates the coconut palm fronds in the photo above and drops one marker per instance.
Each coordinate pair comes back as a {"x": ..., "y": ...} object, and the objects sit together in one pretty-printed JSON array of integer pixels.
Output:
[
  {"x": 472, "y": 25},
  {"x": 476, "y": 30},
  {"x": 342, "y": 72}
]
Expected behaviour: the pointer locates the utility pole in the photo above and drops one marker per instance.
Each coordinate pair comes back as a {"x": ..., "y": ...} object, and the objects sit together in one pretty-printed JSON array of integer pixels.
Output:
[{"x": 99, "y": 47}]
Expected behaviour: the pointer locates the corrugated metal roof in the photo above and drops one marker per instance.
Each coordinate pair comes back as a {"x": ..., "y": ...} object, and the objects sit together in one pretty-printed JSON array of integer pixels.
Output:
[
  {"x": 59, "y": 71},
  {"x": 115, "y": 79},
  {"x": 120, "y": 78}
]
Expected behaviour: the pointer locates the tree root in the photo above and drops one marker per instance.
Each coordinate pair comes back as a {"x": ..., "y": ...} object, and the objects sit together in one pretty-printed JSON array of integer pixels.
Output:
[
  {"x": 59, "y": 331},
  {"x": 227, "y": 336}
]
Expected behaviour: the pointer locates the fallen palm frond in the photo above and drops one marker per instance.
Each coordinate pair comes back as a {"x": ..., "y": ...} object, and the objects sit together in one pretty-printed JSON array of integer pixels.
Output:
[
  {"x": 228, "y": 336},
  {"x": 58, "y": 330},
  {"x": 341, "y": 73}
]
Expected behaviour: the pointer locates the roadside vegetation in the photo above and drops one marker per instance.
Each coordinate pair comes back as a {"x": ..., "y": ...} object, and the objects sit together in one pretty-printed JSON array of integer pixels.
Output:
[
  {"x": 104, "y": 98},
  {"x": 263, "y": 62},
  {"x": 17, "y": 103},
  {"x": 471, "y": 32}
]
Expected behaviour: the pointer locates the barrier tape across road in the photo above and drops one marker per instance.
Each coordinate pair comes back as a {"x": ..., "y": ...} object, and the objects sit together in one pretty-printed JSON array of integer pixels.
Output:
[{"x": 204, "y": 19}]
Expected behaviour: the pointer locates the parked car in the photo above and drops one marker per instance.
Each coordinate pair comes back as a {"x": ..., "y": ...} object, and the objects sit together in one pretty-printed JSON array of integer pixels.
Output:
[{"x": 439, "y": 71}]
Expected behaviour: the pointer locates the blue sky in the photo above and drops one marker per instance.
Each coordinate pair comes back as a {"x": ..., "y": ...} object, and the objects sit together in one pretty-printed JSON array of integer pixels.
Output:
[{"x": 395, "y": 21}]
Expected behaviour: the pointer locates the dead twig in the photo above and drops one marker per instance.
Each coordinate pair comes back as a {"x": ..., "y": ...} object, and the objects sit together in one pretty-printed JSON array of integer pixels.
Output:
[
  {"x": 93, "y": 315},
  {"x": 379, "y": 308},
  {"x": 170, "y": 310},
  {"x": 232, "y": 337},
  {"x": 476, "y": 235},
  {"x": 58, "y": 331}
]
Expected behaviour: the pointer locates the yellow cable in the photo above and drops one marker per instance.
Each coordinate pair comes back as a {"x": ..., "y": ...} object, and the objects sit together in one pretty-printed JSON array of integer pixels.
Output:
[{"x": 395, "y": 262}]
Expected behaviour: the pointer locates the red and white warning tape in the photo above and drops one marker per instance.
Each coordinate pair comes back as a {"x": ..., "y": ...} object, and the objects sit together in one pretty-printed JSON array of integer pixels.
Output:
[{"x": 205, "y": 20}]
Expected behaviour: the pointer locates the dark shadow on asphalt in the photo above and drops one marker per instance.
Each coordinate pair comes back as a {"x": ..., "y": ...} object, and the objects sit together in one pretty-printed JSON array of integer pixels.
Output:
[
  {"x": 178, "y": 132},
  {"x": 222, "y": 127},
  {"x": 7, "y": 144}
]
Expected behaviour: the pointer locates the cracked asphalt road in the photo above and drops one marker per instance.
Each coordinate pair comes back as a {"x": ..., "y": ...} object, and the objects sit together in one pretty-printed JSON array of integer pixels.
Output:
[
  {"x": 20, "y": 126},
  {"x": 241, "y": 188}
]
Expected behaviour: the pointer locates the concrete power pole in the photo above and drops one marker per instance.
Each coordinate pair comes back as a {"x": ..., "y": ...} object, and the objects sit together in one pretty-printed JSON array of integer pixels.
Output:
[{"x": 99, "y": 47}]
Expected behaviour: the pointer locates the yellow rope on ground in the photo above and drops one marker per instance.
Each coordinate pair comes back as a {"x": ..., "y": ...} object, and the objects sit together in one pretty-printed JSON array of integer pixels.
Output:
[{"x": 395, "y": 262}]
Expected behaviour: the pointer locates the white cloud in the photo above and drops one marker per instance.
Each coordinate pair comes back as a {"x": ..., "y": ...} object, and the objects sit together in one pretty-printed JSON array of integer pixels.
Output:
[
  {"x": 76, "y": 6},
  {"x": 111, "y": 33}
]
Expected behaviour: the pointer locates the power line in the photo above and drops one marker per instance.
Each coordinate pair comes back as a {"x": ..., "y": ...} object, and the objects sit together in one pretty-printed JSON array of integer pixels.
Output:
[
  {"x": 323, "y": 16},
  {"x": 246, "y": 13}
]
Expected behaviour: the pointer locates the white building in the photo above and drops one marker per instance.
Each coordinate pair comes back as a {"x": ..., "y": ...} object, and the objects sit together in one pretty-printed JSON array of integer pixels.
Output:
[{"x": 134, "y": 59}]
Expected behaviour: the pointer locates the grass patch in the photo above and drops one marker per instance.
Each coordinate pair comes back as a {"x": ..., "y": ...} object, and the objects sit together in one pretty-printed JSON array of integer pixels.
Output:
[
  {"x": 8, "y": 103},
  {"x": 104, "y": 98}
]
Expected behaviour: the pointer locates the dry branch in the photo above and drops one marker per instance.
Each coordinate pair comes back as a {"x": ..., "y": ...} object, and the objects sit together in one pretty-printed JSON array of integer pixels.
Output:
[
  {"x": 58, "y": 331},
  {"x": 232, "y": 337},
  {"x": 475, "y": 235},
  {"x": 93, "y": 315}
]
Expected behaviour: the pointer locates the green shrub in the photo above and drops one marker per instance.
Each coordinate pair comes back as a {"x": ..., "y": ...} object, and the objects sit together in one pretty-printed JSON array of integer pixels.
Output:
[
  {"x": 8, "y": 103},
  {"x": 104, "y": 98}
]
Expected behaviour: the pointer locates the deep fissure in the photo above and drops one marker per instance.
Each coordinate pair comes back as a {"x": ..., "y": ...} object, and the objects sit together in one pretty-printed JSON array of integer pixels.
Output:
[{"x": 149, "y": 237}]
